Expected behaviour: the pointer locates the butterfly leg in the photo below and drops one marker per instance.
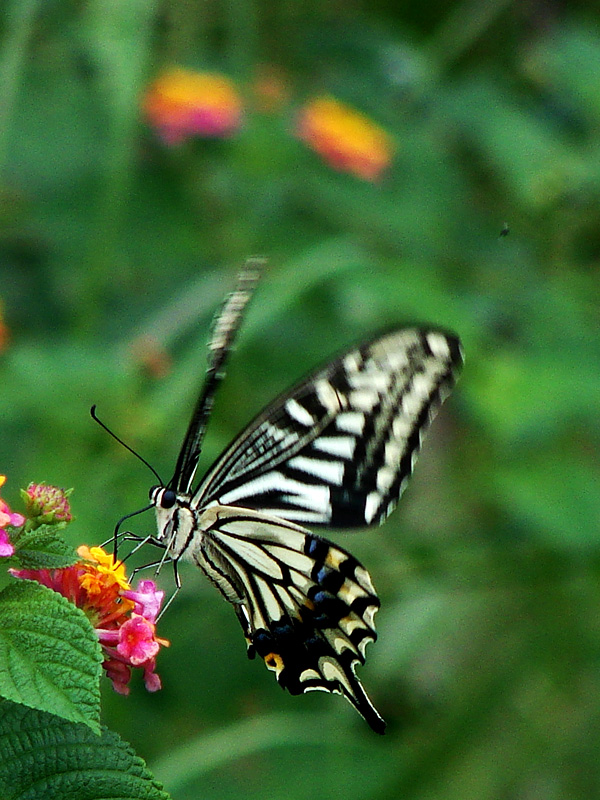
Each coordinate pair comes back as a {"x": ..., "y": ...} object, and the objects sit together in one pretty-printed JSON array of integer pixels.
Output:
[
  {"x": 114, "y": 539},
  {"x": 144, "y": 566},
  {"x": 177, "y": 580},
  {"x": 141, "y": 541}
]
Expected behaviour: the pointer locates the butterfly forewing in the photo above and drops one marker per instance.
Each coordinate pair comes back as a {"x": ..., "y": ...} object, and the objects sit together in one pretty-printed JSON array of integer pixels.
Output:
[
  {"x": 225, "y": 327},
  {"x": 337, "y": 448},
  {"x": 305, "y": 604}
]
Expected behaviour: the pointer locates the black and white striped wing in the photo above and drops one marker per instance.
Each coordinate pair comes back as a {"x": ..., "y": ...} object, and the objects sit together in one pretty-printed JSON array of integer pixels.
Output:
[
  {"x": 337, "y": 448},
  {"x": 305, "y": 604},
  {"x": 224, "y": 330}
]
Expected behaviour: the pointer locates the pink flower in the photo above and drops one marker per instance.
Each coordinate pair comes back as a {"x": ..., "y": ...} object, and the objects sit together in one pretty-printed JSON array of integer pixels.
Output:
[
  {"x": 147, "y": 599},
  {"x": 124, "y": 619},
  {"x": 7, "y": 518},
  {"x": 136, "y": 640},
  {"x": 119, "y": 674},
  {"x": 182, "y": 104},
  {"x": 7, "y": 548},
  {"x": 151, "y": 679}
]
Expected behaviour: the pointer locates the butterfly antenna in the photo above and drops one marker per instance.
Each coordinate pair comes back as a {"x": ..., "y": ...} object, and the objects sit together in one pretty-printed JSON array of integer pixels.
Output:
[{"x": 126, "y": 446}]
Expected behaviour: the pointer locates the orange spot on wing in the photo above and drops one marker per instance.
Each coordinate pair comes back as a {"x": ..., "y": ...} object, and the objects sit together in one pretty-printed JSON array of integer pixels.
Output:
[{"x": 274, "y": 661}]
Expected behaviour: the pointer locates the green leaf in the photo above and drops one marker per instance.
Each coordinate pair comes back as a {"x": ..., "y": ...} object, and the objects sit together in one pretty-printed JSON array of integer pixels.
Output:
[
  {"x": 43, "y": 757},
  {"x": 49, "y": 654},
  {"x": 44, "y": 548}
]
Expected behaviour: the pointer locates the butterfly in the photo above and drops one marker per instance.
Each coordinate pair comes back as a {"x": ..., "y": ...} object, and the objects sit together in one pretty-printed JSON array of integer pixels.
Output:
[{"x": 334, "y": 451}]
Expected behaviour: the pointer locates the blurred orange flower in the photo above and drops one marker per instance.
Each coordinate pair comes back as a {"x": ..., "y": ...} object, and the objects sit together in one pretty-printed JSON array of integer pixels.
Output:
[
  {"x": 150, "y": 354},
  {"x": 347, "y": 140},
  {"x": 182, "y": 104}
]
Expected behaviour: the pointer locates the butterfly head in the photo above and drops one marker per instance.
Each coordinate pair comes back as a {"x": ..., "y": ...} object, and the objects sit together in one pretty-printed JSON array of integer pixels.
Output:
[
  {"x": 162, "y": 497},
  {"x": 175, "y": 519}
]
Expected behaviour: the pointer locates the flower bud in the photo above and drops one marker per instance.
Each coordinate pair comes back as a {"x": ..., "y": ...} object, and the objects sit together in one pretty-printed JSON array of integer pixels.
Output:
[{"x": 46, "y": 505}]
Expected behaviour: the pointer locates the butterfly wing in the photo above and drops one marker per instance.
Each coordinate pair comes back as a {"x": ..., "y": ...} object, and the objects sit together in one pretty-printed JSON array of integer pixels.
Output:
[
  {"x": 338, "y": 447},
  {"x": 224, "y": 330},
  {"x": 305, "y": 604}
]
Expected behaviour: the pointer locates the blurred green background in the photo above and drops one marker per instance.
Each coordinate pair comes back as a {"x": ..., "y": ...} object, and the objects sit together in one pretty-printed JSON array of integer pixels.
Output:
[{"x": 115, "y": 251}]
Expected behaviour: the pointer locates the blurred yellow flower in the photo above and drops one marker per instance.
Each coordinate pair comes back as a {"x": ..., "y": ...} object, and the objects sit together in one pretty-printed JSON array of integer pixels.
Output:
[
  {"x": 346, "y": 139},
  {"x": 182, "y": 104}
]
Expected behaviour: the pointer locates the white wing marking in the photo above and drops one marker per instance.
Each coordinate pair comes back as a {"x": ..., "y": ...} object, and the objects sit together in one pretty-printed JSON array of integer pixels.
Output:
[
  {"x": 342, "y": 446},
  {"x": 351, "y": 422},
  {"x": 330, "y": 471},
  {"x": 254, "y": 556},
  {"x": 299, "y": 413}
]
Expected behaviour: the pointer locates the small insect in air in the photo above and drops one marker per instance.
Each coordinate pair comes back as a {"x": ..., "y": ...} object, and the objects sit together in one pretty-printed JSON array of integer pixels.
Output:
[{"x": 334, "y": 451}]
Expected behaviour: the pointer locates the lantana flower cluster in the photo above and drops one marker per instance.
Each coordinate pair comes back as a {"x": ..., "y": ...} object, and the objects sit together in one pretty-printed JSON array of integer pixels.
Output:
[
  {"x": 182, "y": 104},
  {"x": 124, "y": 618},
  {"x": 344, "y": 138}
]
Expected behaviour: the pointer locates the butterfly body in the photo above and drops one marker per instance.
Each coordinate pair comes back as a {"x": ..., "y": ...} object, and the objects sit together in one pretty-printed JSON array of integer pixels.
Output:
[{"x": 335, "y": 452}]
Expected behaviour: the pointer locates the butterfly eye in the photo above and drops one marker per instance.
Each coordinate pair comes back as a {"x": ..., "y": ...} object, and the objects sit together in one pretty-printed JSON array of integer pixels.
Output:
[{"x": 168, "y": 499}]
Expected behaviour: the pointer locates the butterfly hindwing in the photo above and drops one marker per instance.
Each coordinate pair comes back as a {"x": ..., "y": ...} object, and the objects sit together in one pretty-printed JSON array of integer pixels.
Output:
[
  {"x": 337, "y": 448},
  {"x": 305, "y": 604}
]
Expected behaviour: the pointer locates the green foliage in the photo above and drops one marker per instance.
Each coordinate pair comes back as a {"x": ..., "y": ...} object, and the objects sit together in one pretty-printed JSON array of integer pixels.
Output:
[
  {"x": 115, "y": 250},
  {"x": 49, "y": 654},
  {"x": 47, "y": 758},
  {"x": 43, "y": 548},
  {"x": 51, "y": 741}
]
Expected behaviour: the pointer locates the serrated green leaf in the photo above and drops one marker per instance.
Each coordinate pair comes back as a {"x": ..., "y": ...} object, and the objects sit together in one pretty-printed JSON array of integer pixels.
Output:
[
  {"x": 44, "y": 548},
  {"x": 43, "y": 757},
  {"x": 49, "y": 654}
]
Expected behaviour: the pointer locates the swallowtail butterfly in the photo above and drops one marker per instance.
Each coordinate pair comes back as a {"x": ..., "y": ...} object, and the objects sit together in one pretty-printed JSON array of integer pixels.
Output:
[{"x": 332, "y": 452}]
